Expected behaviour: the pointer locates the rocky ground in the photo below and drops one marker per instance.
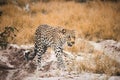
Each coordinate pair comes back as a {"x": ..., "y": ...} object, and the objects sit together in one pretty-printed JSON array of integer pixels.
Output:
[{"x": 80, "y": 65}]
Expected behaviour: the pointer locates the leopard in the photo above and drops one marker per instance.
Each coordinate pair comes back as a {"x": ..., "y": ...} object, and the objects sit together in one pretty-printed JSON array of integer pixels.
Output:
[{"x": 50, "y": 36}]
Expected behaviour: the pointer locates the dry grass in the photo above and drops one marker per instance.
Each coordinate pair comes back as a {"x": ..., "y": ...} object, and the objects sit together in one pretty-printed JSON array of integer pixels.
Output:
[
  {"x": 88, "y": 59},
  {"x": 95, "y": 19},
  {"x": 96, "y": 62},
  {"x": 104, "y": 64}
]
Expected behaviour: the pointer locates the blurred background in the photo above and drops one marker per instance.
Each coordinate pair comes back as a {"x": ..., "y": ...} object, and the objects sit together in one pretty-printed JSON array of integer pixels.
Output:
[{"x": 92, "y": 19}]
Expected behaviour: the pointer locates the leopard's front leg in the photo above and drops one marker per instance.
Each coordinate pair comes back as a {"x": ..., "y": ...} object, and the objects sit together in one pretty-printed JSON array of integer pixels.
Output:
[
  {"x": 41, "y": 50},
  {"x": 58, "y": 52}
]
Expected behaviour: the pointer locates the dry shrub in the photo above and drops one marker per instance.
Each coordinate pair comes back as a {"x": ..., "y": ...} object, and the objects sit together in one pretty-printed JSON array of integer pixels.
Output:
[
  {"x": 105, "y": 64},
  {"x": 96, "y": 62}
]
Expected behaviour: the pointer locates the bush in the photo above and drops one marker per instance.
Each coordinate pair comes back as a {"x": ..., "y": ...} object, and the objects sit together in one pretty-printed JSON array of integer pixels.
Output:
[{"x": 5, "y": 35}]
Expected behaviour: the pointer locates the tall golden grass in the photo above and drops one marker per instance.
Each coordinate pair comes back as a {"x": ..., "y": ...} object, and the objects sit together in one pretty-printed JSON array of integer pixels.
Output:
[{"x": 95, "y": 19}]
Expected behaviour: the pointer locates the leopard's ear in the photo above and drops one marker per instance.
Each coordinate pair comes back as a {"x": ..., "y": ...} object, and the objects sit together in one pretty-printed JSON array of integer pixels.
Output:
[{"x": 63, "y": 31}]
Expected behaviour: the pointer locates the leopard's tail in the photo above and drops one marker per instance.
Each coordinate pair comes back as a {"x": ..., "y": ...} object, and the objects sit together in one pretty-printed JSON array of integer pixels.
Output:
[{"x": 30, "y": 56}]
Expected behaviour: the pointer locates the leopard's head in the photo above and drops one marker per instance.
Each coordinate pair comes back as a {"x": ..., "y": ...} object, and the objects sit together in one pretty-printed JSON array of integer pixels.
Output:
[{"x": 69, "y": 36}]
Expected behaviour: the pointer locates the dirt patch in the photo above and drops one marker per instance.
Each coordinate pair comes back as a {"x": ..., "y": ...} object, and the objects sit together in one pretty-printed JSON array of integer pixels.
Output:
[{"x": 20, "y": 67}]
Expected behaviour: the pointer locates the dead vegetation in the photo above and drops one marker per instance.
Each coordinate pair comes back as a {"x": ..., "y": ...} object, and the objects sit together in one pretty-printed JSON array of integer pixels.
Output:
[
  {"x": 95, "y": 19},
  {"x": 6, "y": 35},
  {"x": 101, "y": 64},
  {"x": 89, "y": 59}
]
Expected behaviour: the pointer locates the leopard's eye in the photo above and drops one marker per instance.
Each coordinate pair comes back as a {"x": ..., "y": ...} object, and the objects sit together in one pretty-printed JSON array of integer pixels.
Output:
[{"x": 68, "y": 36}]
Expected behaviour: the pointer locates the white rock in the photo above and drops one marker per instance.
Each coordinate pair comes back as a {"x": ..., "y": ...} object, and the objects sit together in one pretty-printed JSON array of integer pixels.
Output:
[{"x": 114, "y": 78}]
